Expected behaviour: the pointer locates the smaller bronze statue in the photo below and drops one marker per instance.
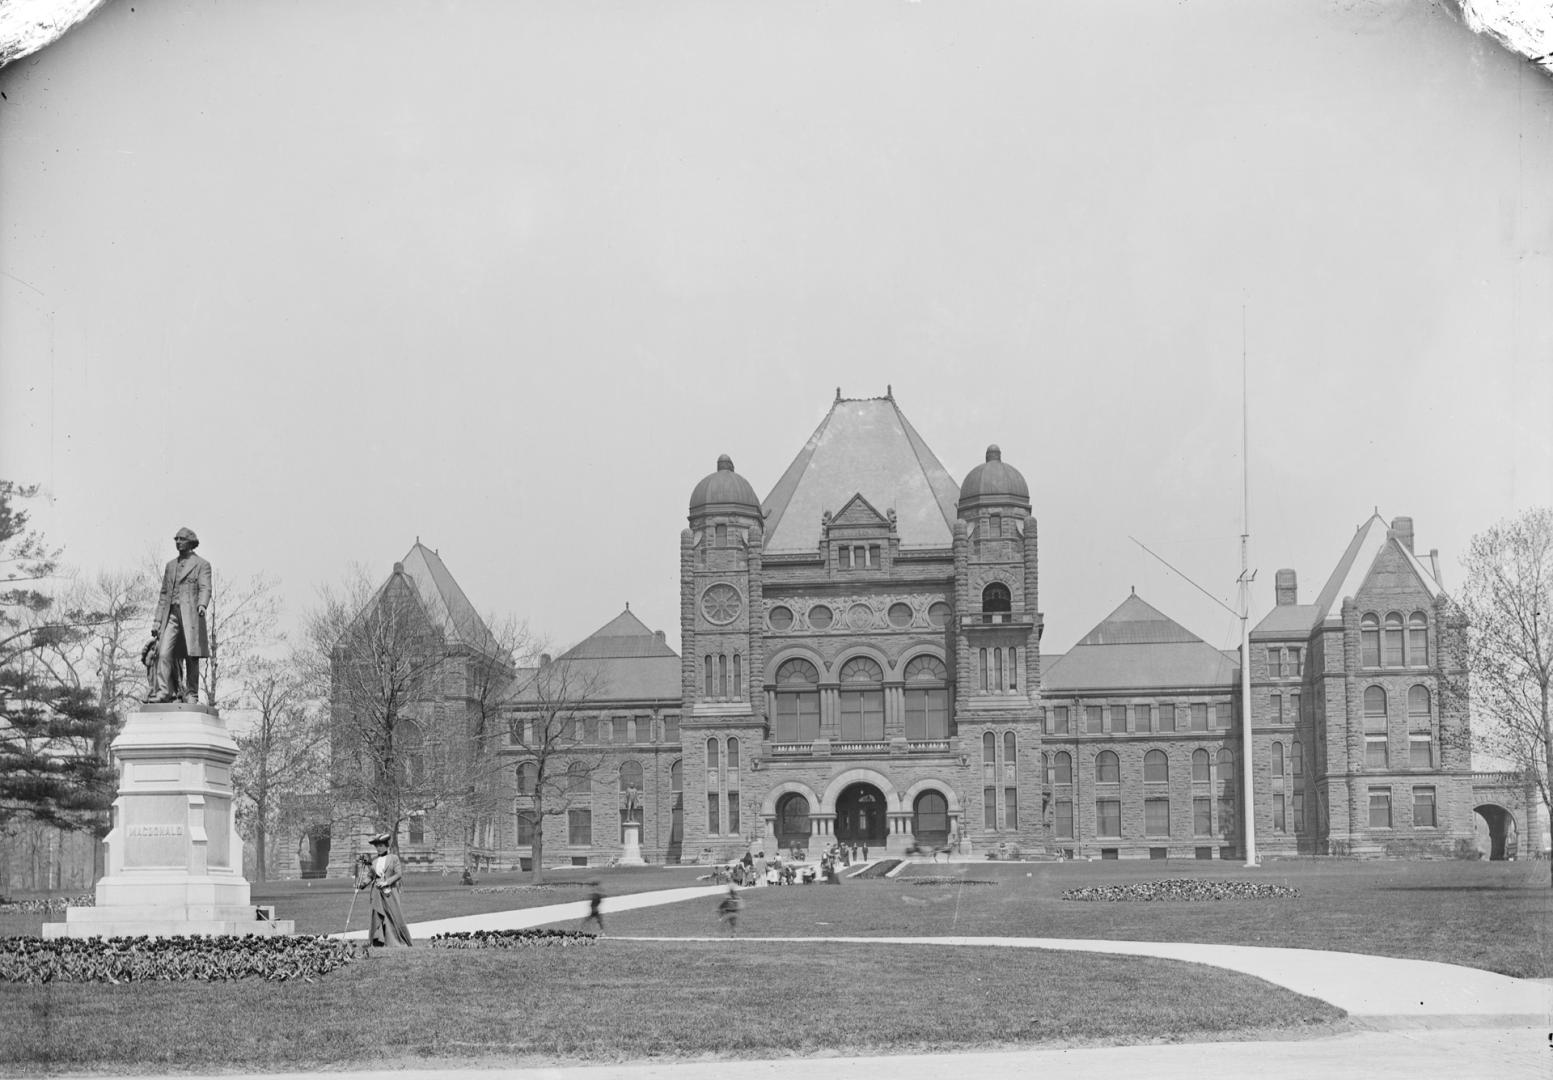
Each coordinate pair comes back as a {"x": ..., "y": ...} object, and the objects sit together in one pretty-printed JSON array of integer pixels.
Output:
[{"x": 179, "y": 631}]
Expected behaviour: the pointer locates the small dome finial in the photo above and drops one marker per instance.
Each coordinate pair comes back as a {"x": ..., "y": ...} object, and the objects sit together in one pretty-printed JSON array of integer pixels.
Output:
[
  {"x": 838, "y": 395},
  {"x": 724, "y": 463},
  {"x": 993, "y": 453}
]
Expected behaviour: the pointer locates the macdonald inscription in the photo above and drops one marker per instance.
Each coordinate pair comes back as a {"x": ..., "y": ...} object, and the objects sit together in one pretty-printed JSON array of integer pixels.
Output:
[{"x": 156, "y": 830}]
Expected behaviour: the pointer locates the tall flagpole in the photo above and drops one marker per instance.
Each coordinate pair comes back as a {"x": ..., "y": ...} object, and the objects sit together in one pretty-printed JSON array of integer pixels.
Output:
[{"x": 1247, "y": 747}]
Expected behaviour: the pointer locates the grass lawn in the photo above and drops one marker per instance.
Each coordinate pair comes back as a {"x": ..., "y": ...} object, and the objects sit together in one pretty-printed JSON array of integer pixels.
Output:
[
  {"x": 1492, "y": 915},
  {"x": 622, "y": 1000}
]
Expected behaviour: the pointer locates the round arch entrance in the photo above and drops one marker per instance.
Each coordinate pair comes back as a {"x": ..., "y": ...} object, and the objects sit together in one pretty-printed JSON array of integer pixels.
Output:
[
  {"x": 860, "y": 816},
  {"x": 1496, "y": 833},
  {"x": 792, "y": 821}
]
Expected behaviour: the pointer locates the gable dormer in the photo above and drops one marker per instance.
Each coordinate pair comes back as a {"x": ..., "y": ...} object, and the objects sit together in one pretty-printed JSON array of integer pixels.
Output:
[{"x": 858, "y": 539}]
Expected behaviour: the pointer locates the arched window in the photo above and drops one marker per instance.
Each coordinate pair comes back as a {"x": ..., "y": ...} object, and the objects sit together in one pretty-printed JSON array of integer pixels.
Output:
[
  {"x": 1107, "y": 769},
  {"x": 713, "y": 752},
  {"x": 677, "y": 777},
  {"x": 630, "y": 795},
  {"x": 1299, "y": 759},
  {"x": 527, "y": 773},
  {"x": 792, "y": 823},
  {"x": 930, "y": 819},
  {"x": 733, "y": 755},
  {"x": 862, "y": 701},
  {"x": 1156, "y": 767},
  {"x": 1369, "y": 641},
  {"x": 1417, "y": 640},
  {"x": 797, "y": 703},
  {"x": 1062, "y": 767},
  {"x": 578, "y": 782},
  {"x": 1046, "y": 768},
  {"x": 1418, "y": 707},
  {"x": 710, "y": 688},
  {"x": 1374, "y": 708},
  {"x": 1200, "y": 771},
  {"x": 409, "y": 746},
  {"x": 722, "y": 675},
  {"x": 1277, "y": 759},
  {"x": 1392, "y": 655},
  {"x": 995, "y": 597},
  {"x": 630, "y": 776},
  {"x": 737, "y": 688},
  {"x": 1227, "y": 767},
  {"x": 1010, "y": 756},
  {"x": 927, "y": 699}
]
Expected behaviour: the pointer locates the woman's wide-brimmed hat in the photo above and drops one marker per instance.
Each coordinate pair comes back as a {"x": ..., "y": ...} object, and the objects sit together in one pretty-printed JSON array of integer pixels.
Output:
[{"x": 381, "y": 838}]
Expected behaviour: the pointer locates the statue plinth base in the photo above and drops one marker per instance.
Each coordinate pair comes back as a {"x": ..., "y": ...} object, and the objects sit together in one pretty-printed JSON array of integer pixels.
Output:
[
  {"x": 174, "y": 857},
  {"x": 632, "y": 853}
]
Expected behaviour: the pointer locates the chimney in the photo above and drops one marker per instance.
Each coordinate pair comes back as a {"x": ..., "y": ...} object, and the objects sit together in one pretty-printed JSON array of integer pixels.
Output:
[
  {"x": 1402, "y": 529},
  {"x": 1434, "y": 566},
  {"x": 1286, "y": 585},
  {"x": 659, "y": 635},
  {"x": 544, "y": 659}
]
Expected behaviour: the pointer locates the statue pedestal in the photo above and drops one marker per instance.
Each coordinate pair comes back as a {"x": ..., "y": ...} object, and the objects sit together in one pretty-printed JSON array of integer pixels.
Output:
[
  {"x": 632, "y": 855},
  {"x": 174, "y": 857}
]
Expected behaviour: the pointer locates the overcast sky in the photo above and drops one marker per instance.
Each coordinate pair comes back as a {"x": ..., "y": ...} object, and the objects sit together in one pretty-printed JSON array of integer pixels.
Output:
[{"x": 317, "y": 279}]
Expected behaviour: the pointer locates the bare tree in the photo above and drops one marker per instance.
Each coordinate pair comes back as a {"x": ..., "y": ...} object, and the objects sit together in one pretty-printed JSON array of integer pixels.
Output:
[
  {"x": 283, "y": 754},
  {"x": 242, "y": 621},
  {"x": 550, "y": 710},
  {"x": 1508, "y": 601},
  {"x": 395, "y": 674}
]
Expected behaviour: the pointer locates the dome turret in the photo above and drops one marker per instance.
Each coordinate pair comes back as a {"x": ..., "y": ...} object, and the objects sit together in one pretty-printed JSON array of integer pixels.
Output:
[
  {"x": 724, "y": 492},
  {"x": 993, "y": 484}
]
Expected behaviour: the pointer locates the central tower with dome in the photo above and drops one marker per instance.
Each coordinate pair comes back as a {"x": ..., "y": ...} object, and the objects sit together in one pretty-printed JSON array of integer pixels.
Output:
[{"x": 861, "y": 650}]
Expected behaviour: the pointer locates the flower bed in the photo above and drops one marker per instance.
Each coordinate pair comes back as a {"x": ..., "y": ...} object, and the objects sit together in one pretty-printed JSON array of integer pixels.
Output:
[
  {"x": 541, "y": 886},
  {"x": 1183, "y": 889},
  {"x": 170, "y": 959},
  {"x": 46, "y": 906},
  {"x": 511, "y": 939},
  {"x": 947, "y": 881}
]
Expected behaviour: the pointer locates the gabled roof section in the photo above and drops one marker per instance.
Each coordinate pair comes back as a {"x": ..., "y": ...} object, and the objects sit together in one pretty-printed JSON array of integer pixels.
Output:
[
  {"x": 1286, "y": 619},
  {"x": 864, "y": 446},
  {"x": 445, "y": 603},
  {"x": 1136, "y": 647},
  {"x": 622, "y": 661},
  {"x": 1355, "y": 566},
  {"x": 859, "y": 511}
]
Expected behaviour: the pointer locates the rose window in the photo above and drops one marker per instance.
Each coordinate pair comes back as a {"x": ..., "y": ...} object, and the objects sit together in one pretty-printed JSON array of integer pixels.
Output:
[{"x": 721, "y": 604}]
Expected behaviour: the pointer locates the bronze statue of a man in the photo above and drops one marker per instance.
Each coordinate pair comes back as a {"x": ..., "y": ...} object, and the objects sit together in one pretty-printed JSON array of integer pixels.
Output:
[{"x": 179, "y": 629}]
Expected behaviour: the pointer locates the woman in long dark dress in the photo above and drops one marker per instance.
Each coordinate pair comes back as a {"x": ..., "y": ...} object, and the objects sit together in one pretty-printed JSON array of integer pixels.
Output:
[{"x": 383, "y": 874}]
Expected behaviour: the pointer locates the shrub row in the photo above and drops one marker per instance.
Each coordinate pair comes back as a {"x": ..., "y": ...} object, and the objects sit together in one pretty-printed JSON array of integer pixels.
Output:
[
  {"x": 171, "y": 959},
  {"x": 1188, "y": 889},
  {"x": 46, "y": 905},
  {"x": 528, "y": 888},
  {"x": 511, "y": 939}
]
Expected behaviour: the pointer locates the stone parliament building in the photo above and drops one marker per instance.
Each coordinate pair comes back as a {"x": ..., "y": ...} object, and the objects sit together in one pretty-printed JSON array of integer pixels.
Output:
[{"x": 861, "y": 663}]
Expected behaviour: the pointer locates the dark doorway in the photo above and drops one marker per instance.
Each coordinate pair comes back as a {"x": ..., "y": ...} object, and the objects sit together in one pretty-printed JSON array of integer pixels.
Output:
[
  {"x": 314, "y": 851},
  {"x": 860, "y": 817},
  {"x": 1501, "y": 840}
]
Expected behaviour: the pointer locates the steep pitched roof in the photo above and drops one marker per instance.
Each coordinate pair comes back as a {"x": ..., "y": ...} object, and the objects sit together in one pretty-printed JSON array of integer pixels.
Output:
[
  {"x": 623, "y": 660},
  {"x": 445, "y": 603},
  {"x": 866, "y": 447},
  {"x": 1137, "y": 647},
  {"x": 1355, "y": 565}
]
